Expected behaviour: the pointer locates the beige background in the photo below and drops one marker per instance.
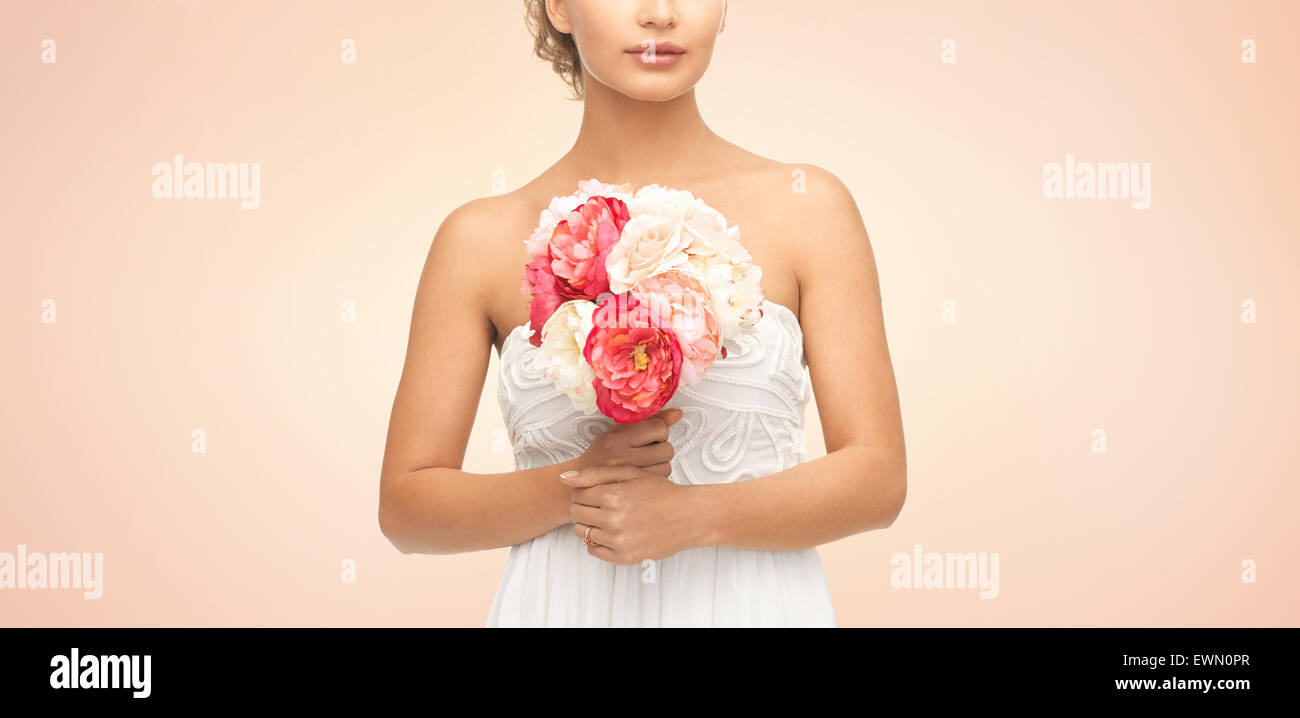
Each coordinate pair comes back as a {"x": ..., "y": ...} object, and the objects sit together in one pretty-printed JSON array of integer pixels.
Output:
[{"x": 1072, "y": 315}]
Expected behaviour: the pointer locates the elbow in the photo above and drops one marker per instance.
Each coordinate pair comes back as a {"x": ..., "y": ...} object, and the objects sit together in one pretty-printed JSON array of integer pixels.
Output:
[
  {"x": 389, "y": 523},
  {"x": 388, "y": 527},
  {"x": 897, "y": 492},
  {"x": 409, "y": 518}
]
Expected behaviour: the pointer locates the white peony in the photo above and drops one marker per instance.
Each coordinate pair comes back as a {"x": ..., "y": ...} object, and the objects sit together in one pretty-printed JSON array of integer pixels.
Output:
[
  {"x": 735, "y": 289},
  {"x": 560, "y": 208},
  {"x": 564, "y": 335}
]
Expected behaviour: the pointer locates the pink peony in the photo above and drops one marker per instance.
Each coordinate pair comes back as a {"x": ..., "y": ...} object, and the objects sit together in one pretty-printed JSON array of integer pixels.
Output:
[
  {"x": 547, "y": 292},
  {"x": 679, "y": 302},
  {"x": 637, "y": 365},
  {"x": 538, "y": 242},
  {"x": 582, "y": 241},
  {"x": 574, "y": 264}
]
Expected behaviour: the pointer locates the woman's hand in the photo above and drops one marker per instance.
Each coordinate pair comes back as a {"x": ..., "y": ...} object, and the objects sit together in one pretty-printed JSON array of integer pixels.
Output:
[
  {"x": 643, "y": 445},
  {"x": 635, "y": 514}
]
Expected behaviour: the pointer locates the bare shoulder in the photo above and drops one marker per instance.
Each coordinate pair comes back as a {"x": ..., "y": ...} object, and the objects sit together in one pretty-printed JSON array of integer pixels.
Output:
[
  {"x": 480, "y": 220},
  {"x": 801, "y": 202},
  {"x": 481, "y": 247},
  {"x": 819, "y": 202},
  {"x": 787, "y": 193},
  {"x": 464, "y": 271},
  {"x": 477, "y": 234},
  {"x": 786, "y": 186}
]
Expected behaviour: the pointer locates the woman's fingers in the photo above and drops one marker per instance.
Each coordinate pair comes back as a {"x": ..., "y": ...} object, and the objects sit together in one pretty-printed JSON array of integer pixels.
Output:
[
  {"x": 596, "y": 475},
  {"x": 670, "y": 416},
  {"x": 651, "y": 454},
  {"x": 583, "y": 514},
  {"x": 605, "y": 553},
  {"x": 580, "y": 530},
  {"x": 665, "y": 469},
  {"x": 653, "y": 429}
]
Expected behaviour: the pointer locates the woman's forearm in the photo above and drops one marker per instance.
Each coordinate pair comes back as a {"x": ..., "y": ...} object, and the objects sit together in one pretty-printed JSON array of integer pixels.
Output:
[
  {"x": 442, "y": 510},
  {"x": 848, "y": 491}
]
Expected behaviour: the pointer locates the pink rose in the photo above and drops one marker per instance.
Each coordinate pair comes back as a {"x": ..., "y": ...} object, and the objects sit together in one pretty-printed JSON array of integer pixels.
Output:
[
  {"x": 637, "y": 365},
  {"x": 581, "y": 243},
  {"x": 679, "y": 302}
]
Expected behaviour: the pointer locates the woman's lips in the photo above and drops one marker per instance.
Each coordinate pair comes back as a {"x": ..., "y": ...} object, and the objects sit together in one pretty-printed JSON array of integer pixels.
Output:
[{"x": 653, "y": 52}]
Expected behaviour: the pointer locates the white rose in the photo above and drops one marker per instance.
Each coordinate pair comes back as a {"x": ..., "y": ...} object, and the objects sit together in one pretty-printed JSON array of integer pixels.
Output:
[
  {"x": 703, "y": 225},
  {"x": 650, "y": 244},
  {"x": 564, "y": 336},
  {"x": 706, "y": 241}
]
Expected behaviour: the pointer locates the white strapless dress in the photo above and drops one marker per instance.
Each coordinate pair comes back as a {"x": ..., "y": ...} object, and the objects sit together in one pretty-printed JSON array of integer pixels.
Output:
[{"x": 745, "y": 419}]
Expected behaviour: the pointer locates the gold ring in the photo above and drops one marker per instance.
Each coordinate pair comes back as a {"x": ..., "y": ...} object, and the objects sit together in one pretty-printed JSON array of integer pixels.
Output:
[{"x": 587, "y": 538}]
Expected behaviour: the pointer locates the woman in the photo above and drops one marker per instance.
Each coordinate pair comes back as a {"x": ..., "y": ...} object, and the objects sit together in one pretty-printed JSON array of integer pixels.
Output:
[{"x": 705, "y": 514}]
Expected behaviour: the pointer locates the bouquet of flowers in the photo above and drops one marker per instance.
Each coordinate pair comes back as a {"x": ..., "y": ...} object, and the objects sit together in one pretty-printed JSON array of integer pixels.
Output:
[{"x": 633, "y": 295}]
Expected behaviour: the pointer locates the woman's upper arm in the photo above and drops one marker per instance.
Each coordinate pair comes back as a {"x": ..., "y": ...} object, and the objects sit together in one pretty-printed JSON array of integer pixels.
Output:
[
  {"x": 843, "y": 323},
  {"x": 447, "y": 352}
]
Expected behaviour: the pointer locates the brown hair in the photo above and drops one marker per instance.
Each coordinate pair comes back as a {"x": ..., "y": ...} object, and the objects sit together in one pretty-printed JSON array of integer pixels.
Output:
[{"x": 551, "y": 45}]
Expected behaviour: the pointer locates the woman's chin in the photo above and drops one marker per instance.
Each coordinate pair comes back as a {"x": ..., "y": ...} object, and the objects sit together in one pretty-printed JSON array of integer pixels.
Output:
[
  {"x": 651, "y": 85},
  {"x": 654, "y": 89}
]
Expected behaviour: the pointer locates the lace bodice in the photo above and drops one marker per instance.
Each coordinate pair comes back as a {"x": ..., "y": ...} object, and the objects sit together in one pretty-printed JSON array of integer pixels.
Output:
[{"x": 743, "y": 420}]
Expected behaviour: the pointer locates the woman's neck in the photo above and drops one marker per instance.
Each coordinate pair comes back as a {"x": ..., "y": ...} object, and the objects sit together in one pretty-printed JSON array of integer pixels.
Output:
[{"x": 641, "y": 142}]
